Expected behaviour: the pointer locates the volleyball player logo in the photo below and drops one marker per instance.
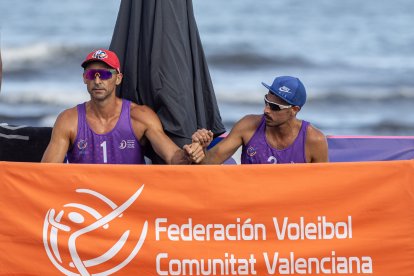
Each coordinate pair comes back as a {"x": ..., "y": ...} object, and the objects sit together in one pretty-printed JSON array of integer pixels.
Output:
[{"x": 79, "y": 240}]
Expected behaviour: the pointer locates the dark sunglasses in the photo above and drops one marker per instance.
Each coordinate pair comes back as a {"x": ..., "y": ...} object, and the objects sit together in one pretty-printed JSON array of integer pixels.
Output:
[
  {"x": 103, "y": 74},
  {"x": 275, "y": 106}
]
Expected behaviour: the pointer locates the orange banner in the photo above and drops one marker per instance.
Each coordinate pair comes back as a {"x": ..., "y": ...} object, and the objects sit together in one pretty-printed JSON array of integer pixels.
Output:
[{"x": 301, "y": 219}]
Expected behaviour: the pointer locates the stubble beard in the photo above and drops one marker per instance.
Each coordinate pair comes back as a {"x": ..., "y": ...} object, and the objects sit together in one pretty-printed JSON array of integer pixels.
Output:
[{"x": 99, "y": 97}]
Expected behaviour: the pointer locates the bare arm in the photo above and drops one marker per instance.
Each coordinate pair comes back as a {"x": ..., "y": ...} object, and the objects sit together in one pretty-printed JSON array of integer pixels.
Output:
[
  {"x": 61, "y": 137},
  {"x": 316, "y": 146},
  {"x": 240, "y": 134},
  {"x": 146, "y": 123}
]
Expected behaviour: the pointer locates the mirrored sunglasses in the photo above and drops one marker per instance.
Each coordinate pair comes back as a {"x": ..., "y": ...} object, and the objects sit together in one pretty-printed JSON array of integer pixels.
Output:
[
  {"x": 275, "y": 106},
  {"x": 103, "y": 74}
]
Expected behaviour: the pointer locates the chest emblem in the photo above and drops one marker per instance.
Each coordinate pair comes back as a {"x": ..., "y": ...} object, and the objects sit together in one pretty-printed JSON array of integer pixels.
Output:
[
  {"x": 130, "y": 144},
  {"x": 82, "y": 144},
  {"x": 251, "y": 151}
]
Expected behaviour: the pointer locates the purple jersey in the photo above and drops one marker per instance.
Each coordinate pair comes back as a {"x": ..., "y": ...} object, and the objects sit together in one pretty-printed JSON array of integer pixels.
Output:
[
  {"x": 118, "y": 146},
  {"x": 258, "y": 151}
]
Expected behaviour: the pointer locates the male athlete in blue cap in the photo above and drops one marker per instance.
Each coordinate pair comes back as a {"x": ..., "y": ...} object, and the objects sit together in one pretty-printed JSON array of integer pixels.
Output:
[{"x": 276, "y": 136}]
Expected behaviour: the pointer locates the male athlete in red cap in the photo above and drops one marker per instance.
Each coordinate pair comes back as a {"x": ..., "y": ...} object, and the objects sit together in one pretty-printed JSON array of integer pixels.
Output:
[{"x": 107, "y": 129}]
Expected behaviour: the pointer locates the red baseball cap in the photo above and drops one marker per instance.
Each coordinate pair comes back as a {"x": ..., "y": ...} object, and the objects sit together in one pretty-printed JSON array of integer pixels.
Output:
[{"x": 105, "y": 56}]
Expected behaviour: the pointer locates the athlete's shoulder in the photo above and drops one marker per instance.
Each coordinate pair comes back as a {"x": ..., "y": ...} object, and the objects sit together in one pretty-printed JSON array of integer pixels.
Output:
[
  {"x": 141, "y": 110},
  {"x": 68, "y": 115},
  {"x": 66, "y": 123},
  {"x": 314, "y": 135},
  {"x": 249, "y": 121},
  {"x": 316, "y": 146},
  {"x": 143, "y": 115},
  {"x": 246, "y": 127}
]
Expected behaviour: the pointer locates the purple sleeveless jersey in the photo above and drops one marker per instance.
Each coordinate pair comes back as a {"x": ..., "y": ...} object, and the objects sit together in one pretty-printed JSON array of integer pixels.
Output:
[
  {"x": 258, "y": 151},
  {"x": 119, "y": 146}
]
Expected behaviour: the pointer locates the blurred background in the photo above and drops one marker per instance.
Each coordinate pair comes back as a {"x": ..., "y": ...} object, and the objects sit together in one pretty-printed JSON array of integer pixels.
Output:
[{"x": 356, "y": 58}]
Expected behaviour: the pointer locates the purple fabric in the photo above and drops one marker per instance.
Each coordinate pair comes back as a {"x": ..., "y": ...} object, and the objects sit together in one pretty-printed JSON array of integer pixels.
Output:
[
  {"x": 119, "y": 146},
  {"x": 258, "y": 151},
  {"x": 362, "y": 148},
  {"x": 370, "y": 148}
]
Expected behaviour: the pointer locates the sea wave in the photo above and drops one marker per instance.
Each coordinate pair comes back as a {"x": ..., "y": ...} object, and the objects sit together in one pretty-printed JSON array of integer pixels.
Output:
[
  {"x": 249, "y": 60},
  {"x": 38, "y": 57},
  {"x": 384, "y": 96},
  {"x": 38, "y": 97},
  {"x": 35, "y": 58},
  {"x": 383, "y": 127},
  {"x": 256, "y": 60},
  {"x": 326, "y": 96}
]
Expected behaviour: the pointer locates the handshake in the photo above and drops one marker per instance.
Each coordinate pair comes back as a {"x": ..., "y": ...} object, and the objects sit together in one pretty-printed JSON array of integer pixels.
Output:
[{"x": 201, "y": 139}]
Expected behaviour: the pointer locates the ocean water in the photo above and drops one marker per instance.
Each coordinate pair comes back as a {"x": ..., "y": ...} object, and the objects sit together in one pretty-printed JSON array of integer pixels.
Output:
[{"x": 356, "y": 58}]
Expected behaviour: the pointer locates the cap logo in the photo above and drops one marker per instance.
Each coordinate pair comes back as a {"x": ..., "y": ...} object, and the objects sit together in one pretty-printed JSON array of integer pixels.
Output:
[
  {"x": 284, "y": 89},
  {"x": 100, "y": 54}
]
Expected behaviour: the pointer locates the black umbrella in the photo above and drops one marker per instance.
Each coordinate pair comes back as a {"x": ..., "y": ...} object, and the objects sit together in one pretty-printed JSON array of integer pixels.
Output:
[{"x": 164, "y": 66}]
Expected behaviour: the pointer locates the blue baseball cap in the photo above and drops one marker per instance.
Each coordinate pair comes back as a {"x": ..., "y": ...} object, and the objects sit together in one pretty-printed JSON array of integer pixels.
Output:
[{"x": 289, "y": 89}]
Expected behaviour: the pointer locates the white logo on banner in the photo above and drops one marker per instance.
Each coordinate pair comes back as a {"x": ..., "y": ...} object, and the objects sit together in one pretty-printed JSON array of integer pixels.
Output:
[{"x": 53, "y": 228}]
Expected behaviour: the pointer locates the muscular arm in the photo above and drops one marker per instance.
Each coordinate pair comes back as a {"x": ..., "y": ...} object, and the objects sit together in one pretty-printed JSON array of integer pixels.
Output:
[
  {"x": 316, "y": 146},
  {"x": 64, "y": 128},
  {"x": 239, "y": 135},
  {"x": 146, "y": 123}
]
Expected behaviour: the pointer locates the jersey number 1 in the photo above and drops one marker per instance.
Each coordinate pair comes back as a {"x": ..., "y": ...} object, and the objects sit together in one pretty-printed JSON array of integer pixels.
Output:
[{"x": 105, "y": 156}]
